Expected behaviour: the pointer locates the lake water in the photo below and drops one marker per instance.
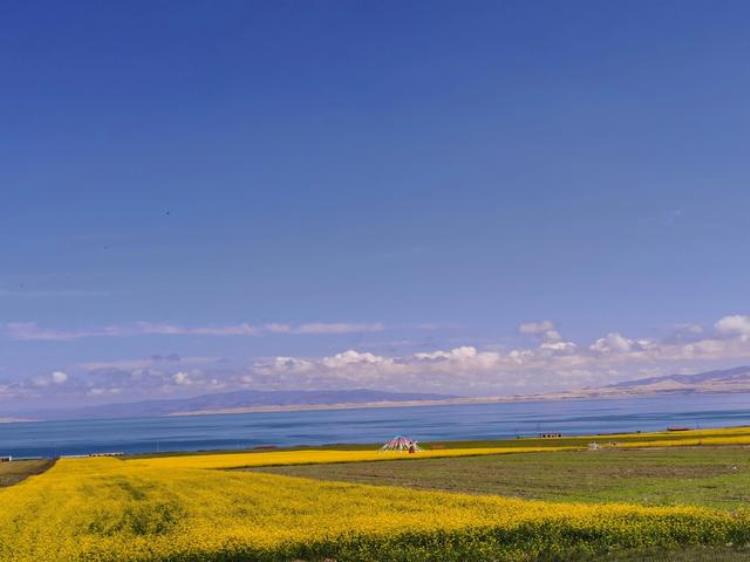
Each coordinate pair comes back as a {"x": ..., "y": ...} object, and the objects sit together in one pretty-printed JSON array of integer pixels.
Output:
[{"x": 485, "y": 421}]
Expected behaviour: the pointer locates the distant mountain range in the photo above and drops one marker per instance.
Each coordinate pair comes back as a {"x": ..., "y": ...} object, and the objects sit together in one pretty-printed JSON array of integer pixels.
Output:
[
  {"x": 239, "y": 402},
  {"x": 728, "y": 380},
  {"x": 246, "y": 401}
]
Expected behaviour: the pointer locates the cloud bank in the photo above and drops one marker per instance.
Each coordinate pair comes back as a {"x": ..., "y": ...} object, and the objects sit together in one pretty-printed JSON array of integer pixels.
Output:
[{"x": 550, "y": 363}]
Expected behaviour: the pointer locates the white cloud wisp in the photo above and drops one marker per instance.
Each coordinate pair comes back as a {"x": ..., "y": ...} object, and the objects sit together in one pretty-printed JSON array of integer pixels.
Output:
[
  {"x": 31, "y": 331},
  {"x": 552, "y": 363}
]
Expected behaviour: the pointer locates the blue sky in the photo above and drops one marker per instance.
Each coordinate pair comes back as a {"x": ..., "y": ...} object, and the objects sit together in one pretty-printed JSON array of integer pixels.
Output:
[{"x": 328, "y": 194}]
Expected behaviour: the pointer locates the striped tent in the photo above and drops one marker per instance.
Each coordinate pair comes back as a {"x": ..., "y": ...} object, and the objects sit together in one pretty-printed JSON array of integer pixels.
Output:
[{"x": 400, "y": 443}]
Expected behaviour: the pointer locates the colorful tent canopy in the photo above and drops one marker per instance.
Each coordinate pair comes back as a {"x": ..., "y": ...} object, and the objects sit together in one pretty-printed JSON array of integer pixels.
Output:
[{"x": 400, "y": 443}]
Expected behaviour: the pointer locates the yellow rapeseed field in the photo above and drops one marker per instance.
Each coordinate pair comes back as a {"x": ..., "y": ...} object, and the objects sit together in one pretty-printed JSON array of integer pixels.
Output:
[
  {"x": 721, "y": 436},
  {"x": 181, "y": 508},
  {"x": 313, "y": 456},
  {"x": 728, "y": 436}
]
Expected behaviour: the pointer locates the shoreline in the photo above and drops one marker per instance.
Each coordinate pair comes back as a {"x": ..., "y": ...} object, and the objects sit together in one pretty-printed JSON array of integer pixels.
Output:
[
  {"x": 597, "y": 394},
  {"x": 16, "y": 420},
  {"x": 509, "y": 442},
  {"x": 578, "y": 441}
]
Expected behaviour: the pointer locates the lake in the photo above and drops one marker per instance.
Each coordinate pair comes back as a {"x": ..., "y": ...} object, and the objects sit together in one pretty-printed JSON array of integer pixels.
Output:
[{"x": 481, "y": 421}]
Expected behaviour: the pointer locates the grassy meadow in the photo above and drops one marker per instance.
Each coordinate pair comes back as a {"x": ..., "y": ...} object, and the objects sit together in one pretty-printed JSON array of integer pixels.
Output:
[
  {"x": 13, "y": 472},
  {"x": 710, "y": 476},
  {"x": 448, "y": 503}
]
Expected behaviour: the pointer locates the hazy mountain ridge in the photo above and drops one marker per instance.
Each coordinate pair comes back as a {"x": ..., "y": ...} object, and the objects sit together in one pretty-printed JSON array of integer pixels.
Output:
[
  {"x": 246, "y": 401},
  {"x": 735, "y": 379},
  {"x": 236, "y": 401}
]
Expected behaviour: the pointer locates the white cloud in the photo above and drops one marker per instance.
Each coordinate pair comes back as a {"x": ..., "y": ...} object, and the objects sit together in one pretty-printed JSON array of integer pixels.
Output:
[
  {"x": 552, "y": 336},
  {"x": 689, "y": 328},
  {"x": 276, "y": 328},
  {"x": 6, "y": 392},
  {"x": 520, "y": 356},
  {"x": 612, "y": 343},
  {"x": 553, "y": 364},
  {"x": 464, "y": 358},
  {"x": 97, "y": 392},
  {"x": 148, "y": 362},
  {"x": 536, "y": 328},
  {"x": 544, "y": 330},
  {"x": 52, "y": 293},
  {"x": 685, "y": 332},
  {"x": 549, "y": 363},
  {"x": 736, "y": 324},
  {"x": 54, "y": 378},
  {"x": 352, "y": 357},
  {"x": 561, "y": 346},
  {"x": 181, "y": 378},
  {"x": 149, "y": 328},
  {"x": 337, "y": 328},
  {"x": 292, "y": 364},
  {"x": 31, "y": 331},
  {"x": 457, "y": 354}
]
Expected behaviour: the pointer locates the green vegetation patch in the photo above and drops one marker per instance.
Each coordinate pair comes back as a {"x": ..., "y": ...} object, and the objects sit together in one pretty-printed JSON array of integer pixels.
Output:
[
  {"x": 15, "y": 471},
  {"x": 717, "y": 477}
]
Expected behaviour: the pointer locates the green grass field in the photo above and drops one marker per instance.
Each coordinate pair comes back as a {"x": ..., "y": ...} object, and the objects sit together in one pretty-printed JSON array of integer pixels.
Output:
[
  {"x": 717, "y": 477},
  {"x": 13, "y": 472}
]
